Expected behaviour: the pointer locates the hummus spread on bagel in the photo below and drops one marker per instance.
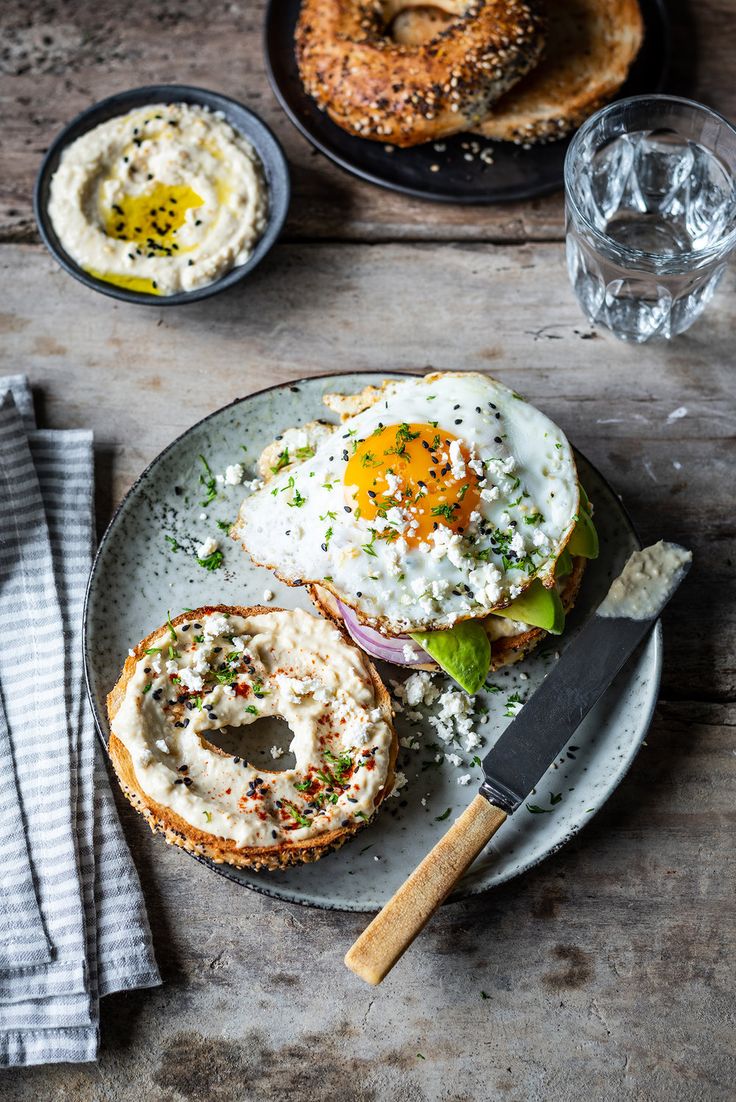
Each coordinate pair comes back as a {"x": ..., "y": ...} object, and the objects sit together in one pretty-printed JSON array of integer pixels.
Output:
[
  {"x": 226, "y": 667},
  {"x": 164, "y": 199}
]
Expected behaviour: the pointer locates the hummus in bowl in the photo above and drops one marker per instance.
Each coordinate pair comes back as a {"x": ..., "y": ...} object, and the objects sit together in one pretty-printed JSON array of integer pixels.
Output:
[{"x": 163, "y": 199}]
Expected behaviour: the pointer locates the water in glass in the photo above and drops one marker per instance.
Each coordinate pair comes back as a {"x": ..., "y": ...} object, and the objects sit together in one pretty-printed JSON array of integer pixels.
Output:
[{"x": 663, "y": 202}]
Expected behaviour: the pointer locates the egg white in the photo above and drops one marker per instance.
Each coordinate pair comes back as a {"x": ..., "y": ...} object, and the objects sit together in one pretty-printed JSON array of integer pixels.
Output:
[{"x": 396, "y": 588}]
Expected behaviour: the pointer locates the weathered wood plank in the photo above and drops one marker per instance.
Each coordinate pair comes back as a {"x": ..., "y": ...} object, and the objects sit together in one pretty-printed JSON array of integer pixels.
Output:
[
  {"x": 59, "y": 57},
  {"x": 608, "y": 970},
  {"x": 659, "y": 421}
]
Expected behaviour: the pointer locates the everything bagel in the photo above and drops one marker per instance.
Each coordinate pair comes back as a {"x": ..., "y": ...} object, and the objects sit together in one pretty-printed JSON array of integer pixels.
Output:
[
  {"x": 226, "y": 666},
  {"x": 376, "y": 88}
]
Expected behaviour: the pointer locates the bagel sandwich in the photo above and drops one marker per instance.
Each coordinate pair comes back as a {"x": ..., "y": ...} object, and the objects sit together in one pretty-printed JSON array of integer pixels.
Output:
[{"x": 441, "y": 522}]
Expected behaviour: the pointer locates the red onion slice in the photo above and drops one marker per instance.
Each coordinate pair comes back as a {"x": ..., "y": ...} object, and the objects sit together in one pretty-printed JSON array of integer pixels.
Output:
[{"x": 378, "y": 646}]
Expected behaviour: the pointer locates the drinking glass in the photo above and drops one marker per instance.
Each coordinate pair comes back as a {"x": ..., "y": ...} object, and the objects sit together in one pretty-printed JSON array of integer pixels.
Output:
[{"x": 650, "y": 205}]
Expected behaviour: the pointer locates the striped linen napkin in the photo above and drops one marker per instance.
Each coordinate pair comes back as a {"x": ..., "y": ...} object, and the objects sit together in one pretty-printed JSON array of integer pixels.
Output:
[{"x": 73, "y": 925}]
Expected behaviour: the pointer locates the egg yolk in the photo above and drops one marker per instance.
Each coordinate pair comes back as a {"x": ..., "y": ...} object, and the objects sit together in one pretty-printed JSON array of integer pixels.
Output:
[
  {"x": 407, "y": 467},
  {"x": 150, "y": 222}
]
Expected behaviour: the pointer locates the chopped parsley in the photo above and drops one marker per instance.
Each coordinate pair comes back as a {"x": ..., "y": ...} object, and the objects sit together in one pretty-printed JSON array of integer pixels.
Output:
[
  {"x": 305, "y": 453},
  {"x": 282, "y": 460},
  {"x": 226, "y": 676},
  {"x": 213, "y": 561},
  {"x": 147, "y": 688},
  {"x": 302, "y": 820},
  {"x": 368, "y": 547},
  {"x": 172, "y": 629},
  {"x": 445, "y": 510},
  {"x": 208, "y": 816},
  {"x": 253, "y": 710},
  {"x": 224, "y": 525},
  {"x": 512, "y": 704},
  {"x": 170, "y": 540},
  {"x": 441, "y": 818},
  {"x": 207, "y": 479}
]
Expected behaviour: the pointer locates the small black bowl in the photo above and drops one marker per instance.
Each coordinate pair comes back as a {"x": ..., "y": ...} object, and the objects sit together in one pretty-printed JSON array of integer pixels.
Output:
[{"x": 266, "y": 145}]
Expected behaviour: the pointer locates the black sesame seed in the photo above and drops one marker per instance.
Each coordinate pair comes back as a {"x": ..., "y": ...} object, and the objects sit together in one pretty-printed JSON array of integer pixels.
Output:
[
  {"x": 498, "y": 439},
  {"x": 146, "y": 669},
  {"x": 179, "y": 780},
  {"x": 236, "y": 760},
  {"x": 188, "y": 782},
  {"x": 347, "y": 509},
  {"x": 458, "y": 420}
]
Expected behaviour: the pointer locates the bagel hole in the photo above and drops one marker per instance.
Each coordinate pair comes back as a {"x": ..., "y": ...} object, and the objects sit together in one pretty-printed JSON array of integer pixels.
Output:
[
  {"x": 415, "y": 25},
  {"x": 253, "y": 743}
]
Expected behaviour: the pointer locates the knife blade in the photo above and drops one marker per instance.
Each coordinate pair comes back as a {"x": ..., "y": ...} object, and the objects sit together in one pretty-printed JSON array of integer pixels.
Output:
[
  {"x": 527, "y": 748},
  {"x": 547, "y": 722}
]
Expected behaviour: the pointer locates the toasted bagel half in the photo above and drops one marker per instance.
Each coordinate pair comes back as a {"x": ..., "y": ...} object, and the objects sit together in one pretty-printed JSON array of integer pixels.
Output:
[{"x": 187, "y": 801}]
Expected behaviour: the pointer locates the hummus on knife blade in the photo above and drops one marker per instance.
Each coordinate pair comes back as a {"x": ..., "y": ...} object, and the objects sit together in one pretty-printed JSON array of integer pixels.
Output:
[{"x": 164, "y": 199}]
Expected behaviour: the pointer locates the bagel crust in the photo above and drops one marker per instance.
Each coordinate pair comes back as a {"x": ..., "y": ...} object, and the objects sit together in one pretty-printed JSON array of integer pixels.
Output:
[
  {"x": 230, "y": 665},
  {"x": 404, "y": 95}
]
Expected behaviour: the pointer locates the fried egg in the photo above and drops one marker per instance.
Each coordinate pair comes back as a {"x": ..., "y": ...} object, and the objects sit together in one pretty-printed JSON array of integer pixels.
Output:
[{"x": 441, "y": 501}]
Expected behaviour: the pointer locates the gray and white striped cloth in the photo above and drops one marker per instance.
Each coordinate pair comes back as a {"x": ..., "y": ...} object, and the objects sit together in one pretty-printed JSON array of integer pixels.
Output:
[{"x": 73, "y": 924}]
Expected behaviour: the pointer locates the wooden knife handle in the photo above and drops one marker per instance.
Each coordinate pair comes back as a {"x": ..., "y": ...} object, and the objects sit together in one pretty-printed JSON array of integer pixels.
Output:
[{"x": 406, "y": 914}]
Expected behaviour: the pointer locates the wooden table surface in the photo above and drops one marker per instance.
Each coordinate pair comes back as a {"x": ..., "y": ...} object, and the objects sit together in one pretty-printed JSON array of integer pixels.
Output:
[{"x": 610, "y": 968}]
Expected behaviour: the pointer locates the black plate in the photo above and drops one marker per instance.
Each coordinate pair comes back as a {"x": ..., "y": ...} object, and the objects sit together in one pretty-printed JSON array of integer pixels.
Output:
[
  {"x": 242, "y": 120},
  {"x": 516, "y": 173}
]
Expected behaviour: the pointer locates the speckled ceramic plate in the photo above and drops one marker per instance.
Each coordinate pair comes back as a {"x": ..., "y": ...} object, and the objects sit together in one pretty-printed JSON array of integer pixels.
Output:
[{"x": 138, "y": 576}]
